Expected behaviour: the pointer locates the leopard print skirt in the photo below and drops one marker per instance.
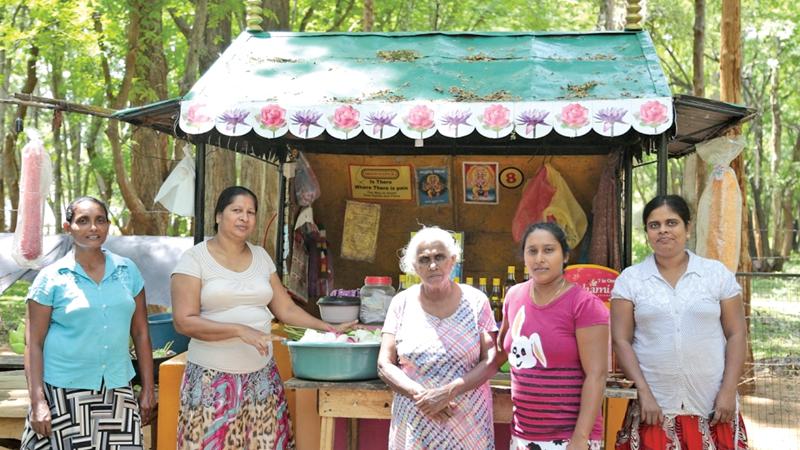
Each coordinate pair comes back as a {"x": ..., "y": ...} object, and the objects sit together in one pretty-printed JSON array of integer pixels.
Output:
[{"x": 221, "y": 410}]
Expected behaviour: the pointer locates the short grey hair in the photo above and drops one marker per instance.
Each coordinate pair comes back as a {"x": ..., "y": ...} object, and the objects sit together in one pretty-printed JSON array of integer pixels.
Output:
[{"x": 408, "y": 255}]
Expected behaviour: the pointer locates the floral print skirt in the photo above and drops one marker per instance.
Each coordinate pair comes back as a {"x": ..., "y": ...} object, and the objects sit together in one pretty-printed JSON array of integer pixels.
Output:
[
  {"x": 221, "y": 410},
  {"x": 680, "y": 433}
]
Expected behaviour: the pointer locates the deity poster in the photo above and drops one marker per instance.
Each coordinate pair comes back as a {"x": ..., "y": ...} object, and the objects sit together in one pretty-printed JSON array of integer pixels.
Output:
[{"x": 480, "y": 182}]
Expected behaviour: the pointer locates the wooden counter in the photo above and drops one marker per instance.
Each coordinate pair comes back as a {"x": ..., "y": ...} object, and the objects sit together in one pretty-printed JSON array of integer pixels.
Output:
[{"x": 373, "y": 400}]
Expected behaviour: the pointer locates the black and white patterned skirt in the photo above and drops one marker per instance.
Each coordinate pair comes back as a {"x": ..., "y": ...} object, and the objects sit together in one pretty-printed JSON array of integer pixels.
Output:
[{"x": 87, "y": 419}]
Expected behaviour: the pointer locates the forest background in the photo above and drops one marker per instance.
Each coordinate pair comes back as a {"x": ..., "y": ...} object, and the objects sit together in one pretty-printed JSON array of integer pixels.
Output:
[{"x": 113, "y": 54}]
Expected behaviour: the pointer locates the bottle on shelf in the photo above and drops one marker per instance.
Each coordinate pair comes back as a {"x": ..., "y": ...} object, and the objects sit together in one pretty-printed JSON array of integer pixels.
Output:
[
  {"x": 323, "y": 280},
  {"x": 401, "y": 282},
  {"x": 470, "y": 281},
  {"x": 456, "y": 280},
  {"x": 510, "y": 280},
  {"x": 482, "y": 286},
  {"x": 496, "y": 301},
  {"x": 526, "y": 275}
]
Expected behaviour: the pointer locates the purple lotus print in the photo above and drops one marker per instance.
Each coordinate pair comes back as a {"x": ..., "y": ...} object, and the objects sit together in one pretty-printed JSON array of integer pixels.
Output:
[
  {"x": 232, "y": 118},
  {"x": 610, "y": 116},
  {"x": 531, "y": 119},
  {"x": 454, "y": 119},
  {"x": 379, "y": 120},
  {"x": 306, "y": 119}
]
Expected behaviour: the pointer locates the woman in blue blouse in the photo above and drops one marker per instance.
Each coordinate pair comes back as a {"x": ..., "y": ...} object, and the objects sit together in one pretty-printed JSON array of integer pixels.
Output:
[{"x": 82, "y": 309}]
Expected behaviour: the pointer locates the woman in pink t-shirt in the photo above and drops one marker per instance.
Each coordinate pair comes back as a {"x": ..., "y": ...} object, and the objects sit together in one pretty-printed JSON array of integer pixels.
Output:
[{"x": 555, "y": 335}]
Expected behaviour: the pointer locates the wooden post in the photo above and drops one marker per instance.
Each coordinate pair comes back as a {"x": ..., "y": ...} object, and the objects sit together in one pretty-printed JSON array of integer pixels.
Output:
[{"x": 199, "y": 192}]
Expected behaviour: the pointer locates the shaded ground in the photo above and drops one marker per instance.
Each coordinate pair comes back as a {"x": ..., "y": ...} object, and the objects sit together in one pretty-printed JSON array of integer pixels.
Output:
[{"x": 772, "y": 412}]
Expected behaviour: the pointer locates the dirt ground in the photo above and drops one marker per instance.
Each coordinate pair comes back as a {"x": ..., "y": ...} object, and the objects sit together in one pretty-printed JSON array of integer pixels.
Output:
[{"x": 772, "y": 412}]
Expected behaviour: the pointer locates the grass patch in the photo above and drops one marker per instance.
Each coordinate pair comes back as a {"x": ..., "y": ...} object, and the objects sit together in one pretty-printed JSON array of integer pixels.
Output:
[{"x": 12, "y": 308}]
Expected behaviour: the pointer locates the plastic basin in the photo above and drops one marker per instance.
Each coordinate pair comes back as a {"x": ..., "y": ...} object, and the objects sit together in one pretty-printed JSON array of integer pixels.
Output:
[
  {"x": 334, "y": 361},
  {"x": 162, "y": 331}
]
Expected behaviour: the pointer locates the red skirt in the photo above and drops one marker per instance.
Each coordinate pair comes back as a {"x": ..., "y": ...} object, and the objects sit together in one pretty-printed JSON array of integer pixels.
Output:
[{"x": 679, "y": 432}]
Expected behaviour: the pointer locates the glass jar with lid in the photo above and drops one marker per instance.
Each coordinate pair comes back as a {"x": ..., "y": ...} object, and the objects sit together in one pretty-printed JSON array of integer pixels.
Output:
[{"x": 376, "y": 295}]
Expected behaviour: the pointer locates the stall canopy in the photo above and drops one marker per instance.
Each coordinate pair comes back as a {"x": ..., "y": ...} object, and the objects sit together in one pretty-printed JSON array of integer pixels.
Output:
[{"x": 576, "y": 90}]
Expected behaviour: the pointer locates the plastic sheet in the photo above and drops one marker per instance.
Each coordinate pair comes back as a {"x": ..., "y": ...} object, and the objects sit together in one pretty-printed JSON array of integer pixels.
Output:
[{"x": 177, "y": 191}]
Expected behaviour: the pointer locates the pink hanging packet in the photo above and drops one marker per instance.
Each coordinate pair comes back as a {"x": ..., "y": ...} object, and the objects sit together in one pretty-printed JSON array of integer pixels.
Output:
[{"x": 35, "y": 174}]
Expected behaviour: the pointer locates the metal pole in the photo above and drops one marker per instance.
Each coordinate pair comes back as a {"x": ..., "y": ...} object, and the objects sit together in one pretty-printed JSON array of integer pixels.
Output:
[
  {"x": 199, "y": 192},
  {"x": 627, "y": 254},
  {"x": 663, "y": 160},
  {"x": 281, "y": 220}
]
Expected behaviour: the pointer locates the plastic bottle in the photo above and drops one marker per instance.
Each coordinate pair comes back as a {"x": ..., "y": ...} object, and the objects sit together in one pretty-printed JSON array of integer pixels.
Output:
[
  {"x": 376, "y": 295},
  {"x": 470, "y": 281},
  {"x": 456, "y": 280},
  {"x": 510, "y": 280},
  {"x": 526, "y": 275},
  {"x": 496, "y": 301}
]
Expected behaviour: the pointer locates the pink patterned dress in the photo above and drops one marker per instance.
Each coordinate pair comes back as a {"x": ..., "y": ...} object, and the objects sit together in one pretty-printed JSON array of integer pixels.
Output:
[{"x": 433, "y": 352}]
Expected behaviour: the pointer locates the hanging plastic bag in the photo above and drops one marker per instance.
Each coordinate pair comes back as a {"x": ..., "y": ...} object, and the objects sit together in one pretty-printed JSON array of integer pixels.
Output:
[
  {"x": 719, "y": 212},
  {"x": 177, "y": 191},
  {"x": 306, "y": 186},
  {"x": 34, "y": 187},
  {"x": 547, "y": 198},
  {"x": 535, "y": 197}
]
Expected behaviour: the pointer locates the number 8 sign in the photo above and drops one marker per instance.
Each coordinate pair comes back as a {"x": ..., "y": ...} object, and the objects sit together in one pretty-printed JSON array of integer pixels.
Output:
[{"x": 511, "y": 178}]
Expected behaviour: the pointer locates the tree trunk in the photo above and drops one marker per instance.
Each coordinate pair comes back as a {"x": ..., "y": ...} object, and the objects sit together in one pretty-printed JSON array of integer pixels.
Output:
[
  {"x": 10, "y": 161},
  {"x": 149, "y": 148},
  {"x": 368, "y": 19},
  {"x": 56, "y": 81},
  {"x": 220, "y": 173},
  {"x": 5, "y": 76},
  {"x": 281, "y": 10},
  {"x": 116, "y": 101},
  {"x": 775, "y": 161},
  {"x": 730, "y": 69}
]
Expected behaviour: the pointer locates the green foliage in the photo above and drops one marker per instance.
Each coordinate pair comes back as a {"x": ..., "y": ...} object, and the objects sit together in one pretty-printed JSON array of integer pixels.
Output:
[{"x": 12, "y": 308}]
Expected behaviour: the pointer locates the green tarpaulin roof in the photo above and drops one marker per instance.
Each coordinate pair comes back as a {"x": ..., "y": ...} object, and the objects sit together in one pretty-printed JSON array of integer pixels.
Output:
[{"x": 426, "y": 85}]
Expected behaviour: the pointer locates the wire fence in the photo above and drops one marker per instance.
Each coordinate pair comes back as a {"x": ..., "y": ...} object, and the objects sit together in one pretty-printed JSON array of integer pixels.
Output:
[{"x": 771, "y": 387}]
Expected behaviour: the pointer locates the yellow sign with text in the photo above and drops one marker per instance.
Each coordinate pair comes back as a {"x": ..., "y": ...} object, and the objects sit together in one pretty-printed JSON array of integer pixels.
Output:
[{"x": 381, "y": 183}]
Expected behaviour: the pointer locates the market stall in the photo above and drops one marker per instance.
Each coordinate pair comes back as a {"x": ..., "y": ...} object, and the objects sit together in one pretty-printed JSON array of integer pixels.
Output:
[{"x": 402, "y": 129}]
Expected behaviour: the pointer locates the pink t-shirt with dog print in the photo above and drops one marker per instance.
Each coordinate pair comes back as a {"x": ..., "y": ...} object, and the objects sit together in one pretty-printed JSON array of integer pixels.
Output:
[{"x": 546, "y": 372}]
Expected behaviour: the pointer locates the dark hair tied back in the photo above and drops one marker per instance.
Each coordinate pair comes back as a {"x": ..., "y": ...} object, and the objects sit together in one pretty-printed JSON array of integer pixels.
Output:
[
  {"x": 675, "y": 203},
  {"x": 70, "y": 212},
  {"x": 226, "y": 198},
  {"x": 552, "y": 228}
]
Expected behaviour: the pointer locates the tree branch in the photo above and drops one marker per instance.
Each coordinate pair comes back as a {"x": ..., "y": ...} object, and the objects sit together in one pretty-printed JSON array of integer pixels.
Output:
[{"x": 181, "y": 23}]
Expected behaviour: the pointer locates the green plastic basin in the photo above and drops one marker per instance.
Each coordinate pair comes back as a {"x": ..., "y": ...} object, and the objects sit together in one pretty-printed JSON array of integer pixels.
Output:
[{"x": 334, "y": 361}]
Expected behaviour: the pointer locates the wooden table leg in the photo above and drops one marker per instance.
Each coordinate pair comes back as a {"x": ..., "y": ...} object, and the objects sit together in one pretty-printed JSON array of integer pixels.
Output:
[
  {"x": 352, "y": 434},
  {"x": 326, "y": 433}
]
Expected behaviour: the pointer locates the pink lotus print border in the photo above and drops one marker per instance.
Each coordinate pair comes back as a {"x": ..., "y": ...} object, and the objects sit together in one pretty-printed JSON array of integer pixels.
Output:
[{"x": 421, "y": 120}]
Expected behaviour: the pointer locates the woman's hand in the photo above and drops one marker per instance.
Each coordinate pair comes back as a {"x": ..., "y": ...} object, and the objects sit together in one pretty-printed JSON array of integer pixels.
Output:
[
  {"x": 40, "y": 418},
  {"x": 256, "y": 338},
  {"x": 341, "y": 327},
  {"x": 724, "y": 407},
  {"x": 432, "y": 402},
  {"x": 147, "y": 400},
  {"x": 651, "y": 412},
  {"x": 577, "y": 444}
]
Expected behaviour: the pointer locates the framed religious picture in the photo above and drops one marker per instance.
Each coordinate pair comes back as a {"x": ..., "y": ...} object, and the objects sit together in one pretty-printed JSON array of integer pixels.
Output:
[
  {"x": 433, "y": 185},
  {"x": 480, "y": 182}
]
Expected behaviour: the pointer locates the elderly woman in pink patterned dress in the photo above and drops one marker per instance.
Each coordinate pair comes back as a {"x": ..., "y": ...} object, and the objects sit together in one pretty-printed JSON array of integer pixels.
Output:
[{"x": 438, "y": 353}]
